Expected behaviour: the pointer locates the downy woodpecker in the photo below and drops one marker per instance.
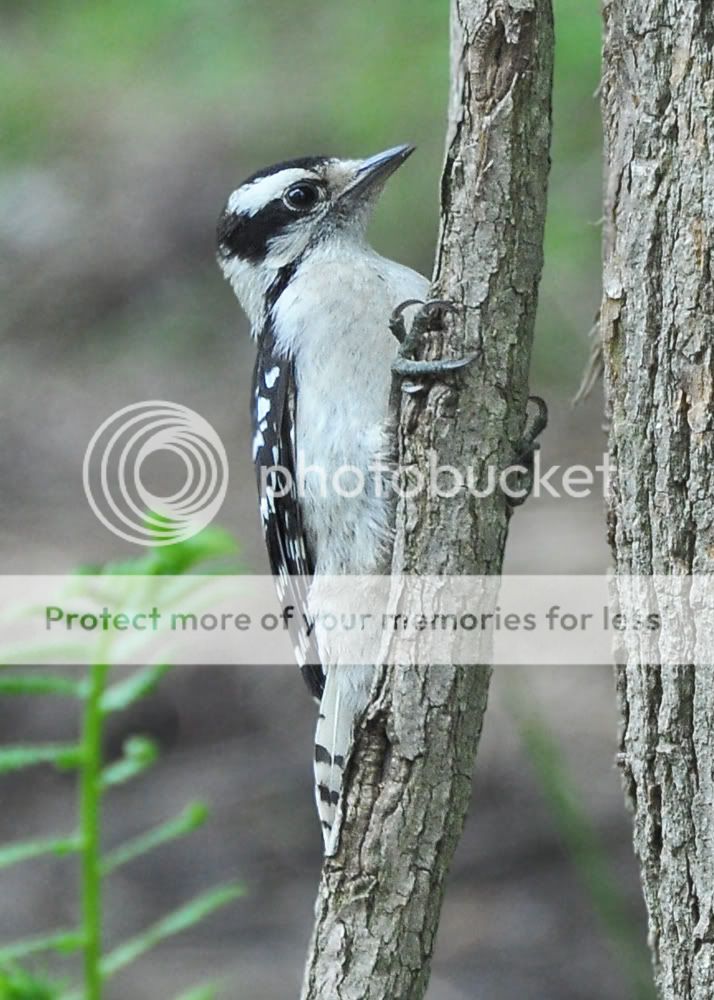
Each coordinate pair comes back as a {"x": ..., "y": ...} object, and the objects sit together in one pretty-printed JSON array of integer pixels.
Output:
[{"x": 291, "y": 241}]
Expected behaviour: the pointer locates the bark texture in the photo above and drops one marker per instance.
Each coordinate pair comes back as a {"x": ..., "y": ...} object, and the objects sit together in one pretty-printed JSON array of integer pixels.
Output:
[
  {"x": 657, "y": 312},
  {"x": 409, "y": 785}
]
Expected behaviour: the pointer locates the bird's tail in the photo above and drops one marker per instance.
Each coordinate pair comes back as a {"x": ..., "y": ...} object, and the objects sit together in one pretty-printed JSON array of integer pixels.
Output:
[{"x": 344, "y": 699}]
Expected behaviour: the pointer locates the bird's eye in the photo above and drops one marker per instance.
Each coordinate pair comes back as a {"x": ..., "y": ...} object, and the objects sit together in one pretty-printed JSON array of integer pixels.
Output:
[{"x": 302, "y": 197}]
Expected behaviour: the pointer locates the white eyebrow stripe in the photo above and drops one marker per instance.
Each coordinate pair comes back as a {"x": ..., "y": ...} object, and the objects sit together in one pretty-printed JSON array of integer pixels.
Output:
[{"x": 250, "y": 198}]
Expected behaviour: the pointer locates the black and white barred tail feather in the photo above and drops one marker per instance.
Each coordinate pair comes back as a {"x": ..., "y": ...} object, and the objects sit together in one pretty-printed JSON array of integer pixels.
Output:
[
  {"x": 333, "y": 743},
  {"x": 344, "y": 700}
]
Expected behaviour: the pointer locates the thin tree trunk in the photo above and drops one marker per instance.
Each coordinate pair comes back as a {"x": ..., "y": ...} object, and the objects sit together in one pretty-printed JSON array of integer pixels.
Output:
[
  {"x": 657, "y": 313},
  {"x": 380, "y": 898}
]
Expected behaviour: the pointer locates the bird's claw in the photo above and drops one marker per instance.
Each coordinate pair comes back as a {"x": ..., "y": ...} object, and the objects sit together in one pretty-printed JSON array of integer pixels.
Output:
[
  {"x": 396, "y": 320},
  {"x": 536, "y": 426},
  {"x": 525, "y": 454},
  {"x": 429, "y": 317},
  {"x": 409, "y": 368}
]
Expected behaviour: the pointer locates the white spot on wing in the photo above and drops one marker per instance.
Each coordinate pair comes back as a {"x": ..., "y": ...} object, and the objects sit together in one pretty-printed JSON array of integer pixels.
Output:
[
  {"x": 263, "y": 407},
  {"x": 271, "y": 377}
]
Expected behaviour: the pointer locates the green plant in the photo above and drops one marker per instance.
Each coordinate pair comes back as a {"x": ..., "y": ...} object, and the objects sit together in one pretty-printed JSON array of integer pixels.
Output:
[
  {"x": 98, "y": 697},
  {"x": 17, "y": 984}
]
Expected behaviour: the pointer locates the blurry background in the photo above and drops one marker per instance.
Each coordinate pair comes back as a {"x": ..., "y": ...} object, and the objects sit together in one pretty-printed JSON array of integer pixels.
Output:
[{"x": 123, "y": 127}]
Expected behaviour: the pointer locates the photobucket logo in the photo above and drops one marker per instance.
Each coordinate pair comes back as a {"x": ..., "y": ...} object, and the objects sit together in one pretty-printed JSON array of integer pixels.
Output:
[
  {"x": 116, "y": 460},
  {"x": 438, "y": 480}
]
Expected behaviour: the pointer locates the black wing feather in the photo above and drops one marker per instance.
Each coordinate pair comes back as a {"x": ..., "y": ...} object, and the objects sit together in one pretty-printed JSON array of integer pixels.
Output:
[{"x": 273, "y": 411}]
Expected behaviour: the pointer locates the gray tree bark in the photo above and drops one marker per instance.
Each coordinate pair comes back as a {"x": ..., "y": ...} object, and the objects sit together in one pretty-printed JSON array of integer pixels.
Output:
[
  {"x": 409, "y": 784},
  {"x": 657, "y": 311}
]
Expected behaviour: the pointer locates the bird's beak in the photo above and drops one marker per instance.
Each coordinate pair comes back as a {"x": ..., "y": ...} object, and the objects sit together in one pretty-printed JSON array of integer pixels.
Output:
[{"x": 371, "y": 173}]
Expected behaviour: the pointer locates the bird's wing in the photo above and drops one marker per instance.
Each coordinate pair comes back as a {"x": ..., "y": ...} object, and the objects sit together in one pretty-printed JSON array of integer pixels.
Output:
[{"x": 274, "y": 453}]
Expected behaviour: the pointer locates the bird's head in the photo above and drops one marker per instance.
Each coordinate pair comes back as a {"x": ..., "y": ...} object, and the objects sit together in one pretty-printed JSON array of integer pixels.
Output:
[{"x": 280, "y": 214}]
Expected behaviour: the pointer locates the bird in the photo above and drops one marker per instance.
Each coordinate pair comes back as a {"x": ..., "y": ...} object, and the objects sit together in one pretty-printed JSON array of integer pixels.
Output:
[{"x": 326, "y": 311}]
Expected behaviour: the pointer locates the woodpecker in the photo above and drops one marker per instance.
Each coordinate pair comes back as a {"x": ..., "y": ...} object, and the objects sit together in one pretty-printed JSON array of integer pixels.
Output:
[{"x": 326, "y": 312}]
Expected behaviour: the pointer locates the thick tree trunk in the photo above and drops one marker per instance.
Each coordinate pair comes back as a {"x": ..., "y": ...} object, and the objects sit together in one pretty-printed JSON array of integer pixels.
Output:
[
  {"x": 658, "y": 345},
  {"x": 379, "y": 902}
]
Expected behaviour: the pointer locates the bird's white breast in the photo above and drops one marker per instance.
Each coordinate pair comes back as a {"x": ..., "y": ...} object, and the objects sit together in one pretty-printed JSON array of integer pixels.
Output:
[{"x": 333, "y": 319}]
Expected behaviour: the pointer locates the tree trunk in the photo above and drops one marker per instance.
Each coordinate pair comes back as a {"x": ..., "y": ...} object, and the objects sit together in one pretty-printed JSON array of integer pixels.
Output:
[
  {"x": 658, "y": 299},
  {"x": 410, "y": 780}
]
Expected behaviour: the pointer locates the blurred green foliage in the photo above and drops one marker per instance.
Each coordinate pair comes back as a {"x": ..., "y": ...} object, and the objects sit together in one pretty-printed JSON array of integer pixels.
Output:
[
  {"x": 99, "y": 695},
  {"x": 271, "y": 80},
  {"x": 17, "y": 984}
]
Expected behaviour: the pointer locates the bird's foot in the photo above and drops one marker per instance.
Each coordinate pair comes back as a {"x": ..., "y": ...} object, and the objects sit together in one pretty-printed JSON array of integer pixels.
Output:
[
  {"x": 520, "y": 477},
  {"x": 428, "y": 318}
]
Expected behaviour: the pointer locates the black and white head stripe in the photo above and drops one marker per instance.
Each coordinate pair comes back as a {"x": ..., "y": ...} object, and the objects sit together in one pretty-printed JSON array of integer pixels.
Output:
[
  {"x": 279, "y": 212},
  {"x": 273, "y": 411},
  {"x": 311, "y": 163},
  {"x": 259, "y": 211}
]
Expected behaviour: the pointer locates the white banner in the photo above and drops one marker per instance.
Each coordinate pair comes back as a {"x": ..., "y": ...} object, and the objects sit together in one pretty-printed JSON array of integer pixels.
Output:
[{"x": 427, "y": 620}]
